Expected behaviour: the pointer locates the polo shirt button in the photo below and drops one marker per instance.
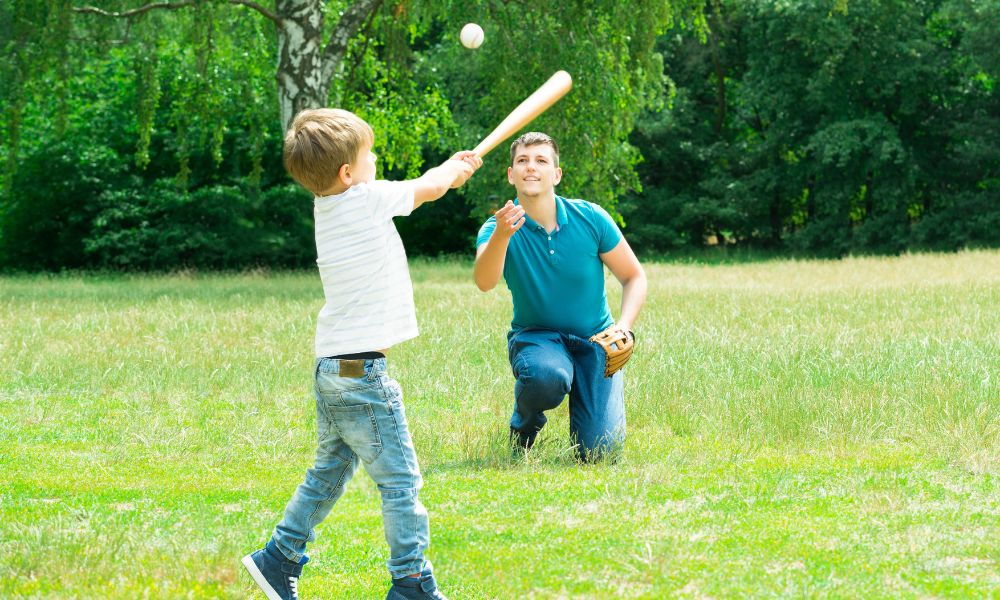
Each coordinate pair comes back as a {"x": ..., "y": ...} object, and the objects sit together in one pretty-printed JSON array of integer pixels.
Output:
[
  {"x": 550, "y": 238},
  {"x": 552, "y": 251}
]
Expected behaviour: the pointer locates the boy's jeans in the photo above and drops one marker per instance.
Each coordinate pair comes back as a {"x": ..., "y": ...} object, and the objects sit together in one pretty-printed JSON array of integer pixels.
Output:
[
  {"x": 548, "y": 365},
  {"x": 360, "y": 417}
]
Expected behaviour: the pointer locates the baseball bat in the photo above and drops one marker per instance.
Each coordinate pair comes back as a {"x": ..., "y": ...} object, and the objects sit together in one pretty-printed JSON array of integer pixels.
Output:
[{"x": 545, "y": 96}]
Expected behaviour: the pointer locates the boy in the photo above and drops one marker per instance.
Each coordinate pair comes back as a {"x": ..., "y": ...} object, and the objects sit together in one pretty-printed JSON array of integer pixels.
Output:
[{"x": 369, "y": 308}]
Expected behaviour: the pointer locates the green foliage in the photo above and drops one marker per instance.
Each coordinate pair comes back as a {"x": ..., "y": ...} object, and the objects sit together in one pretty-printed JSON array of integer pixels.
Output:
[
  {"x": 51, "y": 204},
  {"x": 213, "y": 227},
  {"x": 821, "y": 126},
  {"x": 606, "y": 46},
  {"x": 447, "y": 226},
  {"x": 115, "y": 146},
  {"x": 409, "y": 116},
  {"x": 77, "y": 206},
  {"x": 828, "y": 131},
  {"x": 189, "y": 96}
]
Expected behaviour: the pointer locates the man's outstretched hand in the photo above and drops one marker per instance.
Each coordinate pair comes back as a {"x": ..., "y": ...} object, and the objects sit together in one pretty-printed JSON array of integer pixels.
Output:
[{"x": 510, "y": 218}]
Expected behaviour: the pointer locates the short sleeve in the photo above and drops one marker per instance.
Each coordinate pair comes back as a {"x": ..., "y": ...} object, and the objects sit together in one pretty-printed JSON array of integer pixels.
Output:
[
  {"x": 486, "y": 231},
  {"x": 390, "y": 199},
  {"x": 608, "y": 234}
]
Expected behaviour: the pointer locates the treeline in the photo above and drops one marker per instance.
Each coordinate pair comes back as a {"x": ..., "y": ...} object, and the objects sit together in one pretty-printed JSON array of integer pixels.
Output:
[
  {"x": 794, "y": 127},
  {"x": 820, "y": 127}
]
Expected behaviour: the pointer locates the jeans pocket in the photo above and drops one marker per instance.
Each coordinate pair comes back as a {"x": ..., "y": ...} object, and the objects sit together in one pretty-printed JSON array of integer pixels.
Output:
[{"x": 358, "y": 428}]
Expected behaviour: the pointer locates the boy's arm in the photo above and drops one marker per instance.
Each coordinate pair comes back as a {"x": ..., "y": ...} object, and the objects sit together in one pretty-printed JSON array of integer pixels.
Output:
[
  {"x": 490, "y": 257},
  {"x": 452, "y": 173}
]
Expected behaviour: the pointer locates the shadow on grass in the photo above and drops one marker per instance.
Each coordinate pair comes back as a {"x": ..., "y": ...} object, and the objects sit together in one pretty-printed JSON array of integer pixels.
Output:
[{"x": 492, "y": 450}]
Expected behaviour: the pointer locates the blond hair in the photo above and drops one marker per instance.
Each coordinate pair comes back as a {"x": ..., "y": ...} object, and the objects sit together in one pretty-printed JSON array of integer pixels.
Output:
[
  {"x": 534, "y": 138},
  {"x": 322, "y": 140}
]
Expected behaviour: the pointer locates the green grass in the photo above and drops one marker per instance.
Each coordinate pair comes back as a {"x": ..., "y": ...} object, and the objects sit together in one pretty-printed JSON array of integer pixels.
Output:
[{"x": 796, "y": 428}]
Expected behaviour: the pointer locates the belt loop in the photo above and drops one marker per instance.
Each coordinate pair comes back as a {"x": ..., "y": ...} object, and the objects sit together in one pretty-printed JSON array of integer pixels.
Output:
[{"x": 373, "y": 372}]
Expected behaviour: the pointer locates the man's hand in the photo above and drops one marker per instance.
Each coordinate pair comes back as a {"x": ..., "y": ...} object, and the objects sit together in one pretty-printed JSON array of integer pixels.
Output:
[
  {"x": 491, "y": 256},
  {"x": 466, "y": 163},
  {"x": 510, "y": 218},
  {"x": 623, "y": 327}
]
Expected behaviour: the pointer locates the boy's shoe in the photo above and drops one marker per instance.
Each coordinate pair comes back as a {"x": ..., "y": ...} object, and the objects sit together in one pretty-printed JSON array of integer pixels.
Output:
[
  {"x": 275, "y": 574},
  {"x": 415, "y": 588}
]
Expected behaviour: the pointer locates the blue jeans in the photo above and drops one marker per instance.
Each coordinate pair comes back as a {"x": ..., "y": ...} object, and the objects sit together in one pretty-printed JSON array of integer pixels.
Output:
[
  {"x": 547, "y": 366},
  {"x": 360, "y": 419}
]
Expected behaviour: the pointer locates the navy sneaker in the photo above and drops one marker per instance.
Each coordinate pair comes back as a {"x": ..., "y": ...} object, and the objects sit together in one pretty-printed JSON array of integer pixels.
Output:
[
  {"x": 415, "y": 588},
  {"x": 275, "y": 574}
]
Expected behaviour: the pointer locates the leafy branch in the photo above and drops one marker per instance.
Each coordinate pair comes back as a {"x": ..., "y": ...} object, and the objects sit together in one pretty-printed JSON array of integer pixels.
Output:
[{"x": 135, "y": 12}]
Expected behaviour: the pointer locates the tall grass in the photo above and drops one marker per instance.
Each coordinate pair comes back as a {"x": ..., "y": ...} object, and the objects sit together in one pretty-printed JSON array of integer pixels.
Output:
[{"x": 817, "y": 428}]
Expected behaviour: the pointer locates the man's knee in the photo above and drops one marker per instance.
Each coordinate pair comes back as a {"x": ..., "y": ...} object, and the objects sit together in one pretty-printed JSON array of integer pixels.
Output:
[{"x": 545, "y": 385}]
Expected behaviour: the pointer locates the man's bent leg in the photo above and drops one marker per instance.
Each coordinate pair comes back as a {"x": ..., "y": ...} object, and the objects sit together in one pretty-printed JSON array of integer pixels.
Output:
[
  {"x": 596, "y": 402},
  {"x": 544, "y": 374}
]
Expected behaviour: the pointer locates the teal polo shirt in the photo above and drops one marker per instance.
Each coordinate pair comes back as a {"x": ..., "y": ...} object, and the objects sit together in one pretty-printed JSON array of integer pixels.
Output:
[{"x": 556, "y": 279}]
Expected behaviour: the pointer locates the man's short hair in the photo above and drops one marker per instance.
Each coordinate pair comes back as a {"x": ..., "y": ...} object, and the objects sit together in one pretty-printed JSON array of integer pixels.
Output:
[
  {"x": 533, "y": 138},
  {"x": 322, "y": 140}
]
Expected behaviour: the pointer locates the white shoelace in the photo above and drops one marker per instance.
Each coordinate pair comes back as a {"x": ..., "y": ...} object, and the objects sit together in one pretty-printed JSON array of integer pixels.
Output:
[{"x": 294, "y": 584}]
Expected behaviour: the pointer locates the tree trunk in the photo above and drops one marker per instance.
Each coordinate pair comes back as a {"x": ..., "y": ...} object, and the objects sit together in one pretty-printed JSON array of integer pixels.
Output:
[
  {"x": 305, "y": 68},
  {"x": 715, "y": 31},
  {"x": 869, "y": 203},
  {"x": 774, "y": 215},
  {"x": 300, "y": 58},
  {"x": 810, "y": 198}
]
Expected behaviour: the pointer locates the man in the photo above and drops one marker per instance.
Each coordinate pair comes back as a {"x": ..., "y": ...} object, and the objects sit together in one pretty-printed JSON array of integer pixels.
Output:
[{"x": 552, "y": 252}]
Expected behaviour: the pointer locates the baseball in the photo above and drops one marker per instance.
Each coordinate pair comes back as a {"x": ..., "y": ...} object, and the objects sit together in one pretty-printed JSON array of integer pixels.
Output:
[{"x": 472, "y": 35}]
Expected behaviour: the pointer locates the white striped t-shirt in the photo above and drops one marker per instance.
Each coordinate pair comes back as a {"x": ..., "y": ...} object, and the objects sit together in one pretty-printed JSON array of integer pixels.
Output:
[{"x": 366, "y": 281}]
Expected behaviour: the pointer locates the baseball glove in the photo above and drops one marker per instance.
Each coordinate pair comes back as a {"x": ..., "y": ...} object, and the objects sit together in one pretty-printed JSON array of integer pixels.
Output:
[{"x": 617, "y": 346}]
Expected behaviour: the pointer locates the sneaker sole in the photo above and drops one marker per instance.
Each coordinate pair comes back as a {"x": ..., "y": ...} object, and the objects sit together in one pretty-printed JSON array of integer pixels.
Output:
[{"x": 259, "y": 578}]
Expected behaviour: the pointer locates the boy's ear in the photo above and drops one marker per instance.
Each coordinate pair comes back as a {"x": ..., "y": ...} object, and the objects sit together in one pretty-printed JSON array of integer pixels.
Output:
[
  {"x": 558, "y": 177},
  {"x": 345, "y": 174}
]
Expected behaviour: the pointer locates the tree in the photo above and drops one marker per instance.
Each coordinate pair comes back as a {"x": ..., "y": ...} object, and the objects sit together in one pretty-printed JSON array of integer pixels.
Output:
[
  {"x": 607, "y": 45},
  {"x": 185, "y": 88},
  {"x": 608, "y": 48},
  {"x": 828, "y": 128},
  {"x": 307, "y": 64}
]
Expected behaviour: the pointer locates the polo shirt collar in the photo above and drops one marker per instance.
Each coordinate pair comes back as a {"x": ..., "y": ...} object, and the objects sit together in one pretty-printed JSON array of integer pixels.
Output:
[{"x": 560, "y": 213}]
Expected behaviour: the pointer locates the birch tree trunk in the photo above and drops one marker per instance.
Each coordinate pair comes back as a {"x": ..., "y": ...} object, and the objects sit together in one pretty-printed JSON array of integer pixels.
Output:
[
  {"x": 300, "y": 58},
  {"x": 305, "y": 68}
]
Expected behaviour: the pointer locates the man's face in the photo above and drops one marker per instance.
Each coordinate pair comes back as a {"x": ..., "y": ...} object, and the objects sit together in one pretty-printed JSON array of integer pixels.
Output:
[
  {"x": 534, "y": 172},
  {"x": 363, "y": 167}
]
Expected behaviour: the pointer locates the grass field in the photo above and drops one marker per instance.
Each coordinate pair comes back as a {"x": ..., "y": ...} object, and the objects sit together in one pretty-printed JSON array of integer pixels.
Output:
[{"x": 796, "y": 429}]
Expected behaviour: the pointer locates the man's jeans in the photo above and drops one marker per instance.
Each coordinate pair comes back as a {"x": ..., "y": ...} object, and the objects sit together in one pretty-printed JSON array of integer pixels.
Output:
[
  {"x": 360, "y": 418},
  {"x": 548, "y": 365}
]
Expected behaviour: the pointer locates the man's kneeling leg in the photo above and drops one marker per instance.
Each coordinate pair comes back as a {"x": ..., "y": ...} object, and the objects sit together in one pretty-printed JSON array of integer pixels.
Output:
[
  {"x": 596, "y": 407},
  {"x": 544, "y": 374}
]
